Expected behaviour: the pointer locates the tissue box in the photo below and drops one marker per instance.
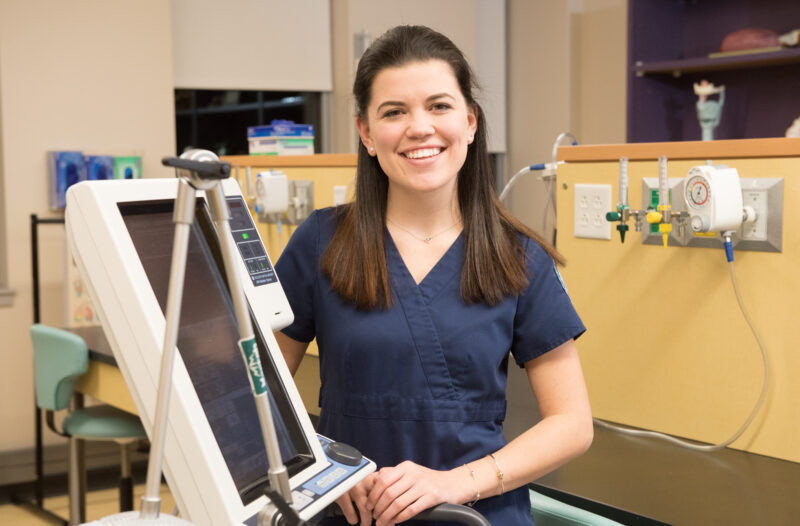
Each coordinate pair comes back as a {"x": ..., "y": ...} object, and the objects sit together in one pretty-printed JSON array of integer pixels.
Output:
[
  {"x": 128, "y": 167},
  {"x": 64, "y": 170},
  {"x": 99, "y": 167},
  {"x": 281, "y": 138}
]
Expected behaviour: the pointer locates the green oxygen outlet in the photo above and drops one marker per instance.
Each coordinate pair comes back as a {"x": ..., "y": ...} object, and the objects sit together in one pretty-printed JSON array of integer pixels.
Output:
[
  {"x": 613, "y": 216},
  {"x": 622, "y": 228},
  {"x": 653, "y": 206}
]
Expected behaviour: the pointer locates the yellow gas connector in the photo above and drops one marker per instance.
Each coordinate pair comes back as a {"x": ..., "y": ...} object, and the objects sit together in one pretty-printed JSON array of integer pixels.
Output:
[
  {"x": 664, "y": 228},
  {"x": 653, "y": 217}
]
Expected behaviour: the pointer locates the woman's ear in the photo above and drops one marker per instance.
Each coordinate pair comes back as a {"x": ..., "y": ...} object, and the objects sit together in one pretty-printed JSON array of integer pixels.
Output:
[
  {"x": 472, "y": 120},
  {"x": 363, "y": 132}
]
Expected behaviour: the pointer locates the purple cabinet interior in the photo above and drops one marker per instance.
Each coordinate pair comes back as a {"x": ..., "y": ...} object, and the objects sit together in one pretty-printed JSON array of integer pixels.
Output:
[{"x": 668, "y": 46}]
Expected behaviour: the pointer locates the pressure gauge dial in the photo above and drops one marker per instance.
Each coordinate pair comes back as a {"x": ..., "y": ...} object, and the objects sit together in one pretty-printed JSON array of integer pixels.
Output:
[{"x": 698, "y": 191}]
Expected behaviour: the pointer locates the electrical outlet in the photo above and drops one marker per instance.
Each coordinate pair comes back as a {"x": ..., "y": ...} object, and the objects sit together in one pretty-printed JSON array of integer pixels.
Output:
[
  {"x": 339, "y": 195},
  {"x": 301, "y": 201},
  {"x": 757, "y": 199},
  {"x": 765, "y": 196},
  {"x": 592, "y": 201}
]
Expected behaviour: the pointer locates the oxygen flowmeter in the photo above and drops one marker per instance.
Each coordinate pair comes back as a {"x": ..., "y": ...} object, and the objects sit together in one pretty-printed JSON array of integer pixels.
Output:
[
  {"x": 711, "y": 199},
  {"x": 713, "y": 195}
]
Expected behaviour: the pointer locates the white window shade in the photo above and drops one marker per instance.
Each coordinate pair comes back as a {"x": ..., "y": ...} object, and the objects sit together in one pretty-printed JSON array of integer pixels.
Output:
[{"x": 276, "y": 45}]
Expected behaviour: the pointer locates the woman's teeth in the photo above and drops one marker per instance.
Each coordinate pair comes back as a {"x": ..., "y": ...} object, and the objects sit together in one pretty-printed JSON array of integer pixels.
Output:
[{"x": 423, "y": 153}]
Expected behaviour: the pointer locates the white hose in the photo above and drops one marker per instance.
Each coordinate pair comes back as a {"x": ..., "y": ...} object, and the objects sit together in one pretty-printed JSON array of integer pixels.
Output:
[
  {"x": 511, "y": 182},
  {"x": 753, "y": 413}
]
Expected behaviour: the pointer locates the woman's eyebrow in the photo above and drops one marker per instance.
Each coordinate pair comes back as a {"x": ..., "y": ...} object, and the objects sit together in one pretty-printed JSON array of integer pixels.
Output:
[
  {"x": 394, "y": 103},
  {"x": 440, "y": 96},
  {"x": 389, "y": 103}
]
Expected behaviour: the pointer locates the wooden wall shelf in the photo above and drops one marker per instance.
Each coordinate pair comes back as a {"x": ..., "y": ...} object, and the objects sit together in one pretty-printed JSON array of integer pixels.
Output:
[
  {"x": 700, "y": 64},
  {"x": 731, "y": 149}
]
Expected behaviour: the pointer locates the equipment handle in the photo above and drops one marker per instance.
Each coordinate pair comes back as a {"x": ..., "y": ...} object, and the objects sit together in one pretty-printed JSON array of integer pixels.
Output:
[
  {"x": 454, "y": 513},
  {"x": 204, "y": 169}
]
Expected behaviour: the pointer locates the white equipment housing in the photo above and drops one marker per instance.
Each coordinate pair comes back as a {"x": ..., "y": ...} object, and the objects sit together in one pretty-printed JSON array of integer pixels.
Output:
[
  {"x": 713, "y": 195},
  {"x": 121, "y": 234}
]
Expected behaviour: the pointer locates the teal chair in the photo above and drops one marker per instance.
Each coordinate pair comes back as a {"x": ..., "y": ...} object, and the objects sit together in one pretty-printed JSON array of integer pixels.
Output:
[
  {"x": 547, "y": 511},
  {"x": 60, "y": 357}
]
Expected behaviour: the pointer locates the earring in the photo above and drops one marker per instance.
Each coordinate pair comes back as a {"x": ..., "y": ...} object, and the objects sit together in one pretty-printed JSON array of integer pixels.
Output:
[
  {"x": 469, "y": 139},
  {"x": 371, "y": 149}
]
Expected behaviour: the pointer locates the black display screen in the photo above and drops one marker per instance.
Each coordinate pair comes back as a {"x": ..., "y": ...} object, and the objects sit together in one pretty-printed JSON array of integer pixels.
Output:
[{"x": 208, "y": 344}]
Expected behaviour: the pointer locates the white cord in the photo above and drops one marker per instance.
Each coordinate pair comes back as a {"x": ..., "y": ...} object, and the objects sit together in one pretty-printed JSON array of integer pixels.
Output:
[
  {"x": 544, "y": 166},
  {"x": 511, "y": 182},
  {"x": 759, "y": 403}
]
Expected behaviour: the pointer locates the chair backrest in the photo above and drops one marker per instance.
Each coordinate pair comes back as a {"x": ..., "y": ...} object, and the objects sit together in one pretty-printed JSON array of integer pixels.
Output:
[
  {"x": 547, "y": 511},
  {"x": 59, "y": 358}
]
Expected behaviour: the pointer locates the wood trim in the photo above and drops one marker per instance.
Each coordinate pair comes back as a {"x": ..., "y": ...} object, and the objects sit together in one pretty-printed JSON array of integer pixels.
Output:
[
  {"x": 6, "y": 297},
  {"x": 729, "y": 149},
  {"x": 104, "y": 382},
  {"x": 282, "y": 161}
]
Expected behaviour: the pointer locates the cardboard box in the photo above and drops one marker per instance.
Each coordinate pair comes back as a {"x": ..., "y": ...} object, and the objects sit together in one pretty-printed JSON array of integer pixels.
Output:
[{"x": 281, "y": 138}]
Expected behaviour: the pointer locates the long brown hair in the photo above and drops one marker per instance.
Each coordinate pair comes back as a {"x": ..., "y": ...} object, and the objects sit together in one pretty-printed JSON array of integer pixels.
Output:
[{"x": 494, "y": 259}]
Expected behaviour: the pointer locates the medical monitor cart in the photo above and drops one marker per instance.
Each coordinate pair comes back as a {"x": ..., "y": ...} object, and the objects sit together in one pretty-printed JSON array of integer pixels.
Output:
[{"x": 215, "y": 461}]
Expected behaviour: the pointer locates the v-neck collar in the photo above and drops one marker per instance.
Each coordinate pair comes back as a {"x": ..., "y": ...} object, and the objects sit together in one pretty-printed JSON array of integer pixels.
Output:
[{"x": 446, "y": 269}]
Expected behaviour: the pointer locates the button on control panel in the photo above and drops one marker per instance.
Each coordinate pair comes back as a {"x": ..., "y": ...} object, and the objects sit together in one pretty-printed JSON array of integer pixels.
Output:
[{"x": 249, "y": 243}]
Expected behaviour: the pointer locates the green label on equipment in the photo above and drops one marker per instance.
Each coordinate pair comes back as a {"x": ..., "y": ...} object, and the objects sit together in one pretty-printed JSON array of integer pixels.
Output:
[{"x": 253, "y": 362}]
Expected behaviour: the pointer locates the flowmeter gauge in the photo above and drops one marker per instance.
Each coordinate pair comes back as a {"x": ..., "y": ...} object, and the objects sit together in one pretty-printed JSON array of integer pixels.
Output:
[
  {"x": 697, "y": 191},
  {"x": 713, "y": 195}
]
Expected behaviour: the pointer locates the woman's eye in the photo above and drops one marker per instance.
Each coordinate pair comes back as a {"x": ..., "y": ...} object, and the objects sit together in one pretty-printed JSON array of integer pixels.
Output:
[
  {"x": 391, "y": 113},
  {"x": 441, "y": 106}
]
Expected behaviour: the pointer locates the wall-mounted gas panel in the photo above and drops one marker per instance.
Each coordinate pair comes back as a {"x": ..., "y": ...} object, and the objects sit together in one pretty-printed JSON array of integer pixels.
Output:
[{"x": 764, "y": 196}]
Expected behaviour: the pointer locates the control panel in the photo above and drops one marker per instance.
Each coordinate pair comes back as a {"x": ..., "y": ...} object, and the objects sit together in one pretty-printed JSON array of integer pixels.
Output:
[
  {"x": 259, "y": 267},
  {"x": 344, "y": 462}
]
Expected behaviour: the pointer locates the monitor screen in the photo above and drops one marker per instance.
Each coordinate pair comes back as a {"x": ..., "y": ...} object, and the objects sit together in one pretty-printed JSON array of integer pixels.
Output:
[{"x": 207, "y": 342}]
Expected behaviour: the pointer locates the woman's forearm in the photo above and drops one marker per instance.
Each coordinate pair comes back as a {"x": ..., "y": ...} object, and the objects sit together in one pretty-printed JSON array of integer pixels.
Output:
[{"x": 539, "y": 450}]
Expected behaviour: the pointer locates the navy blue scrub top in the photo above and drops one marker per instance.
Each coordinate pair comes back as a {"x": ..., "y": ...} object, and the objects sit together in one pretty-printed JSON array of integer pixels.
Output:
[{"x": 426, "y": 379}]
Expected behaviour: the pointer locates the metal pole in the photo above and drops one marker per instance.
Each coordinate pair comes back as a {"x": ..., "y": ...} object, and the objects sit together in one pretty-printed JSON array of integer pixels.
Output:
[
  {"x": 278, "y": 474},
  {"x": 183, "y": 216}
]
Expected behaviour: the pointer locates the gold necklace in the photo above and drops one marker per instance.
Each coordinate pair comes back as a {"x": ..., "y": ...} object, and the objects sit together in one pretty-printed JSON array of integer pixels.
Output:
[{"x": 427, "y": 239}]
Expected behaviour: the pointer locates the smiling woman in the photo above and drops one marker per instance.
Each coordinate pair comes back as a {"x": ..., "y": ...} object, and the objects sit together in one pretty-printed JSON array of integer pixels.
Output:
[
  {"x": 416, "y": 293},
  {"x": 419, "y": 126}
]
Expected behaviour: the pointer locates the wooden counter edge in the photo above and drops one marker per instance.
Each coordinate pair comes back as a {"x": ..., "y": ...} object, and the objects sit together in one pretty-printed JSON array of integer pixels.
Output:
[
  {"x": 283, "y": 161},
  {"x": 727, "y": 149}
]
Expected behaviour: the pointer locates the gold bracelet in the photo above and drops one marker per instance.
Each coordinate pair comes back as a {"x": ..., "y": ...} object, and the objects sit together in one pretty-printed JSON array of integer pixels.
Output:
[
  {"x": 477, "y": 493},
  {"x": 499, "y": 474}
]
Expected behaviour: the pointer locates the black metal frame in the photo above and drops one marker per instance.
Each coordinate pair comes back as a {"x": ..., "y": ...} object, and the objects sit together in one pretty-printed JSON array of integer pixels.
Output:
[{"x": 37, "y": 505}]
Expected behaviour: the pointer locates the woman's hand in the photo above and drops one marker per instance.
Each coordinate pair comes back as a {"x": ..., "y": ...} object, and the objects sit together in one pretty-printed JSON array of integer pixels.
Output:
[
  {"x": 401, "y": 492},
  {"x": 358, "y": 496}
]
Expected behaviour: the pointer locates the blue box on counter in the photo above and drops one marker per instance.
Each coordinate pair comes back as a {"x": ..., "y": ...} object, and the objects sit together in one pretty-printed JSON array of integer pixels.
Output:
[
  {"x": 279, "y": 128},
  {"x": 281, "y": 138},
  {"x": 64, "y": 169}
]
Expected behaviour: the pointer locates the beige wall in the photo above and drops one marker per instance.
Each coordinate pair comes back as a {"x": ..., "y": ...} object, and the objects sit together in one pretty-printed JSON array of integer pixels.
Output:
[
  {"x": 599, "y": 63},
  {"x": 90, "y": 75},
  {"x": 539, "y": 91},
  {"x": 259, "y": 50},
  {"x": 375, "y": 17},
  {"x": 566, "y": 73},
  {"x": 6, "y": 294}
]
